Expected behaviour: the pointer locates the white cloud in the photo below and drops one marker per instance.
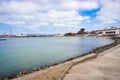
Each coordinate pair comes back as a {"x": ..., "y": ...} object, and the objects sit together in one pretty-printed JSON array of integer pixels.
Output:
[
  {"x": 51, "y": 18},
  {"x": 18, "y": 7},
  {"x": 30, "y": 6},
  {"x": 79, "y": 5},
  {"x": 109, "y": 12},
  {"x": 33, "y": 14}
]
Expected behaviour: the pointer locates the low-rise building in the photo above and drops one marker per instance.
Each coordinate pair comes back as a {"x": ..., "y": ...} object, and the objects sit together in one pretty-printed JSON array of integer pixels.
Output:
[
  {"x": 96, "y": 32},
  {"x": 113, "y": 31}
]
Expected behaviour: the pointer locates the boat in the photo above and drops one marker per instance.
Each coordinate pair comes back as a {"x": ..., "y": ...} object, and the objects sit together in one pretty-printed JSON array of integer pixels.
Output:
[
  {"x": 5, "y": 36},
  {"x": 2, "y": 39}
]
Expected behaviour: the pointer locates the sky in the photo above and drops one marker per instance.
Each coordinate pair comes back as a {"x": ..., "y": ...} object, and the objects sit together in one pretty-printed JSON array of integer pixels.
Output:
[{"x": 57, "y": 16}]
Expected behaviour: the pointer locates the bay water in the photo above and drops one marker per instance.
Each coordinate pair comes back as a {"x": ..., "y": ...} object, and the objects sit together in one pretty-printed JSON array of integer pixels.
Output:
[{"x": 17, "y": 54}]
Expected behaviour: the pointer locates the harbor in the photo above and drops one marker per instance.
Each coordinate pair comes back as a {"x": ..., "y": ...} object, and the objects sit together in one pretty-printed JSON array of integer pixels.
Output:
[{"x": 59, "y": 39}]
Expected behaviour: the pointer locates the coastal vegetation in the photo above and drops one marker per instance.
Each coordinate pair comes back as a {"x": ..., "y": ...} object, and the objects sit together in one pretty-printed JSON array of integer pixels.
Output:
[
  {"x": 70, "y": 34},
  {"x": 81, "y": 32}
]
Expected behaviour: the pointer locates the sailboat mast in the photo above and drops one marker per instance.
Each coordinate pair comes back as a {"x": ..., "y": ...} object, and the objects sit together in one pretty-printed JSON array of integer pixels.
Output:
[
  {"x": 10, "y": 31},
  {"x": 4, "y": 32}
]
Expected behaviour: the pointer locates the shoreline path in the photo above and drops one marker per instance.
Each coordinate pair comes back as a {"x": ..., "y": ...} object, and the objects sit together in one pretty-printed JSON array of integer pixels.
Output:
[{"x": 105, "y": 67}]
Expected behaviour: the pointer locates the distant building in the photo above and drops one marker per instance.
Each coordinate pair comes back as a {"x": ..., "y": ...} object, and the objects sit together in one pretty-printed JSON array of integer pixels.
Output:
[
  {"x": 58, "y": 35},
  {"x": 113, "y": 31},
  {"x": 96, "y": 32}
]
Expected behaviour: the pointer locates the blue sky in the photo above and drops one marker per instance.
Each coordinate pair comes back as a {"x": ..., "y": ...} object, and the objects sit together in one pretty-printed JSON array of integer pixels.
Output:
[{"x": 57, "y": 16}]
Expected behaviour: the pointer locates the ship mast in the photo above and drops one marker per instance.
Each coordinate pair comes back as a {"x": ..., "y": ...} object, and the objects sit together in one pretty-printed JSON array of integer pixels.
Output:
[
  {"x": 4, "y": 32},
  {"x": 10, "y": 31}
]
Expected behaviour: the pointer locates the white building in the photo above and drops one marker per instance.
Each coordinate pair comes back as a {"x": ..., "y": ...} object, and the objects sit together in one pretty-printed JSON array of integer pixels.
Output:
[{"x": 113, "y": 31}]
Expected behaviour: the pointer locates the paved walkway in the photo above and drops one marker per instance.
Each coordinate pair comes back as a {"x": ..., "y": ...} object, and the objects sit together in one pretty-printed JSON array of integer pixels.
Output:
[{"x": 105, "y": 67}]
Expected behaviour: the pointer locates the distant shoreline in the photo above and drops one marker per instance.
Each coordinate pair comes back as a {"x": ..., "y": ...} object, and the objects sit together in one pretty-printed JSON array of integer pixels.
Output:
[{"x": 97, "y": 50}]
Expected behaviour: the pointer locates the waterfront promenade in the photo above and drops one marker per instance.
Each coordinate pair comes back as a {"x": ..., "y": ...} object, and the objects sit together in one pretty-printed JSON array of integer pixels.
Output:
[{"x": 105, "y": 67}]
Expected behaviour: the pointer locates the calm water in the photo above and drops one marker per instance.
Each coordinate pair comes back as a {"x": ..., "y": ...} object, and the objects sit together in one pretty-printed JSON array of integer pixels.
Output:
[{"x": 18, "y": 54}]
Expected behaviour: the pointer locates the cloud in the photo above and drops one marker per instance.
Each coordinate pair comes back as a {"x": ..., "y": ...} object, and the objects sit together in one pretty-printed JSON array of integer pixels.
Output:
[
  {"x": 79, "y": 5},
  {"x": 51, "y": 18},
  {"x": 30, "y": 6},
  {"x": 33, "y": 14},
  {"x": 109, "y": 12},
  {"x": 18, "y": 7}
]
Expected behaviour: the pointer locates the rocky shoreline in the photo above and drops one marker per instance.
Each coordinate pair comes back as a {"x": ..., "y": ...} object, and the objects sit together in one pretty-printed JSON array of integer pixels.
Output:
[{"x": 96, "y": 51}]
